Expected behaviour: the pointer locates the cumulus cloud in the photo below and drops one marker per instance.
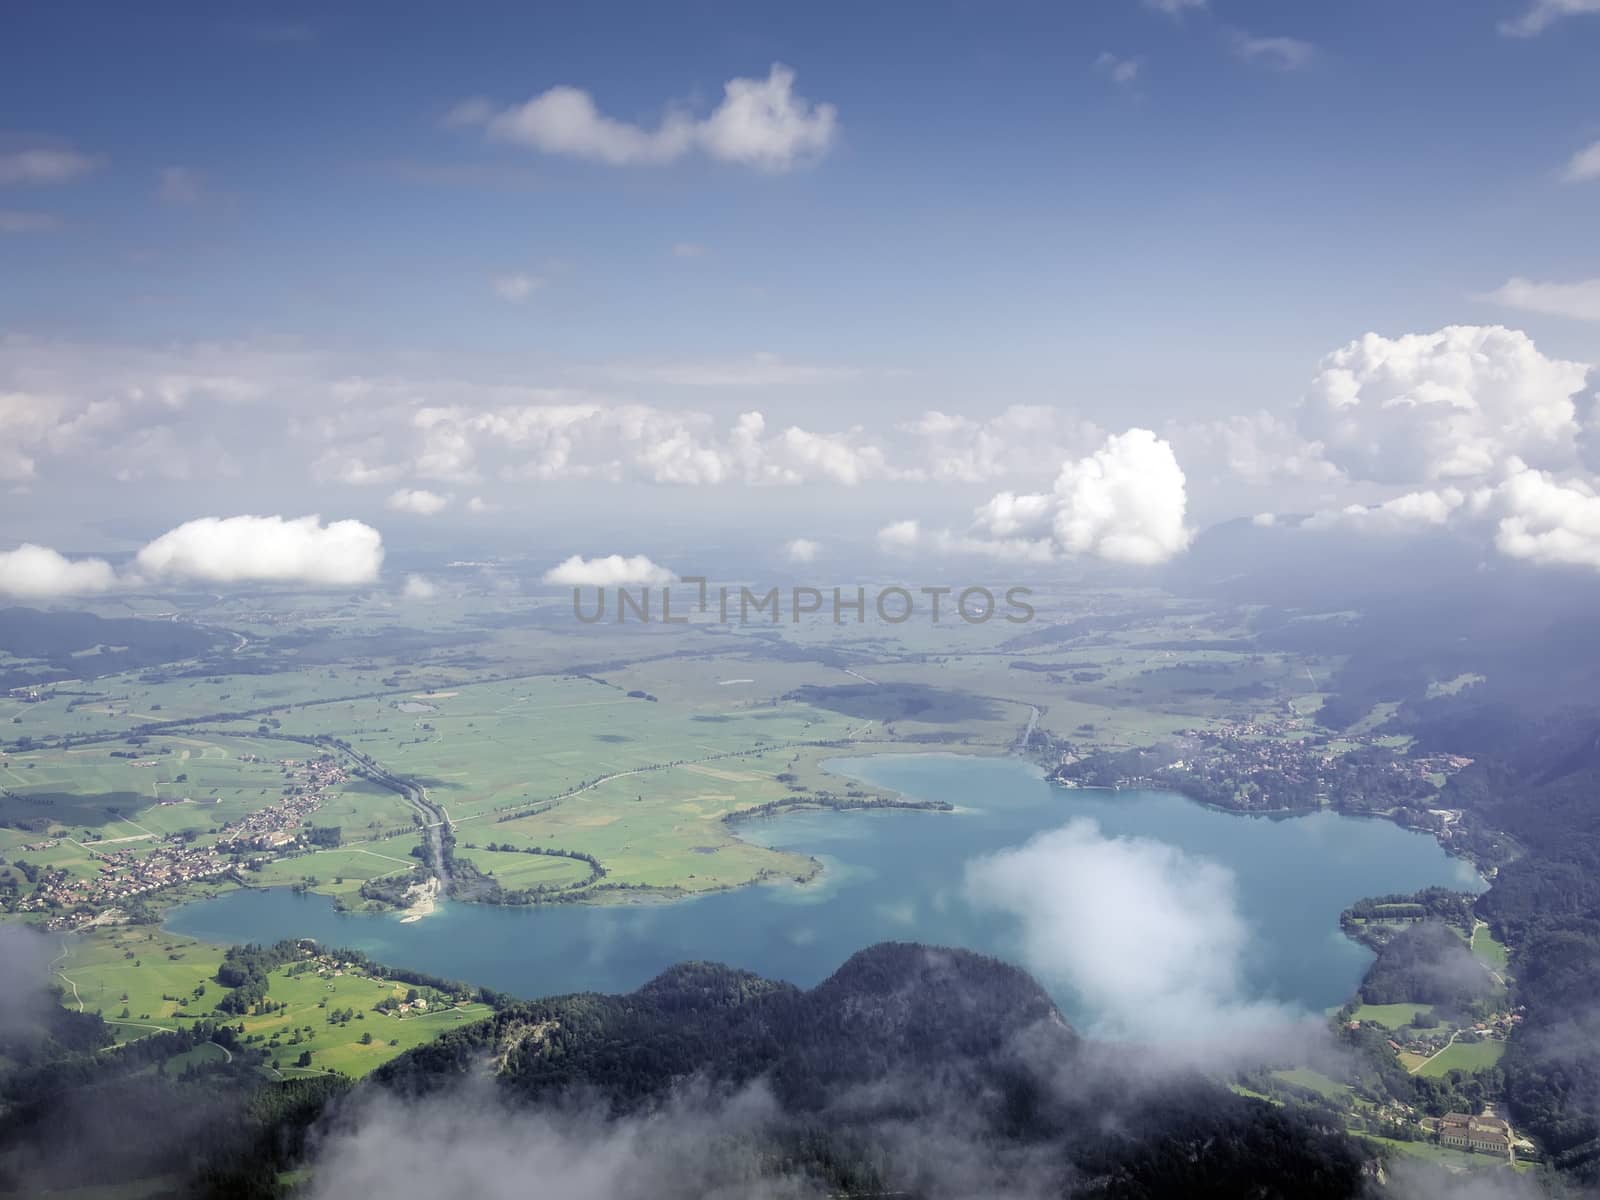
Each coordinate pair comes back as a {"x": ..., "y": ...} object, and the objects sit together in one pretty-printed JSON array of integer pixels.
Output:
[
  {"x": 899, "y": 535},
  {"x": 1256, "y": 448},
  {"x": 1585, "y": 164},
  {"x": 801, "y": 550},
  {"x": 1412, "y": 511},
  {"x": 615, "y": 442},
  {"x": 335, "y": 466},
  {"x": 37, "y": 571},
  {"x": 1082, "y": 900},
  {"x": 1125, "y": 502},
  {"x": 1449, "y": 405},
  {"x": 419, "y": 587},
  {"x": 44, "y": 164},
  {"x": 417, "y": 501},
  {"x": 1022, "y": 439},
  {"x": 266, "y": 549},
  {"x": 514, "y": 289},
  {"x": 760, "y": 123},
  {"x": 612, "y": 570},
  {"x": 1279, "y": 53},
  {"x": 1544, "y": 13},
  {"x": 1545, "y": 521},
  {"x": 1579, "y": 301}
]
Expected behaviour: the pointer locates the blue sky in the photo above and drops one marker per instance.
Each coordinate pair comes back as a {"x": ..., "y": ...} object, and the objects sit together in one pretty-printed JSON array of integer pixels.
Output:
[{"x": 1133, "y": 212}]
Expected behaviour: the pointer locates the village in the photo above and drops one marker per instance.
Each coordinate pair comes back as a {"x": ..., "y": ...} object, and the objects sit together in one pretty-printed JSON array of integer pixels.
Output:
[
  {"x": 141, "y": 866},
  {"x": 1269, "y": 764}
]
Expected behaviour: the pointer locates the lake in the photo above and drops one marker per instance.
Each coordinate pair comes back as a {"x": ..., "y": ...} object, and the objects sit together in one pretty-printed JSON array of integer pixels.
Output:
[{"x": 894, "y": 875}]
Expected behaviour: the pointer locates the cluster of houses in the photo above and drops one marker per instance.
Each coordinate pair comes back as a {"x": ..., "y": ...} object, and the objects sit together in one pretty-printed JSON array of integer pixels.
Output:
[
  {"x": 126, "y": 874},
  {"x": 120, "y": 876},
  {"x": 1495, "y": 1027}
]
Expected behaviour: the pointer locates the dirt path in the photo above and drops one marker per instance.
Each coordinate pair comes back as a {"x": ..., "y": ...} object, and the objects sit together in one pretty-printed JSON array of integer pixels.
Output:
[{"x": 1453, "y": 1035}]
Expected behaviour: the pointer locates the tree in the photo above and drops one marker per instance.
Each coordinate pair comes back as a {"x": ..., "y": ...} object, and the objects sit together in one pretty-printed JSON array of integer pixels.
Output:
[{"x": 304, "y": 1060}]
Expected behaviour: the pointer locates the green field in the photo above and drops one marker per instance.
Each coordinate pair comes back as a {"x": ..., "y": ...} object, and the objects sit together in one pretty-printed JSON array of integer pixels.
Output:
[
  {"x": 311, "y": 997},
  {"x": 1491, "y": 953},
  {"x": 1390, "y": 1016},
  {"x": 150, "y": 974},
  {"x": 1316, "y": 1081},
  {"x": 154, "y": 976},
  {"x": 1464, "y": 1056}
]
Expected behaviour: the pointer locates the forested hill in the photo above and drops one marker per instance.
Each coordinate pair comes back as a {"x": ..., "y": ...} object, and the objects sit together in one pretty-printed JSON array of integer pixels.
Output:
[
  {"x": 966, "y": 1050},
  {"x": 56, "y": 645},
  {"x": 893, "y": 1006}
]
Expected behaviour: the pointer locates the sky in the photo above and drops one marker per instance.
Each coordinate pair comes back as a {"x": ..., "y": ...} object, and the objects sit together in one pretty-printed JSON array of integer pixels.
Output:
[{"x": 1023, "y": 282}]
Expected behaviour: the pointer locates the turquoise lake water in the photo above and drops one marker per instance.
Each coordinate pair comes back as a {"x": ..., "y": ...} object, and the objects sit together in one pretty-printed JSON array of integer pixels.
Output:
[{"x": 893, "y": 875}]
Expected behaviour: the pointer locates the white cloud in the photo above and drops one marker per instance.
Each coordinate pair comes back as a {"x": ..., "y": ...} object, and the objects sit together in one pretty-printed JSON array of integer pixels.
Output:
[
  {"x": 900, "y": 535},
  {"x": 418, "y": 502},
  {"x": 762, "y": 123},
  {"x": 266, "y": 549},
  {"x": 1580, "y": 301},
  {"x": 615, "y": 442},
  {"x": 419, "y": 587},
  {"x": 1585, "y": 164},
  {"x": 1010, "y": 515},
  {"x": 801, "y": 550},
  {"x": 335, "y": 466},
  {"x": 13, "y": 220},
  {"x": 1257, "y": 448},
  {"x": 1151, "y": 938},
  {"x": 759, "y": 123},
  {"x": 1125, "y": 502},
  {"x": 1022, "y": 439},
  {"x": 479, "y": 505},
  {"x": 1451, "y": 405},
  {"x": 32, "y": 571},
  {"x": 687, "y": 250},
  {"x": 514, "y": 289},
  {"x": 1414, "y": 510},
  {"x": 613, "y": 570},
  {"x": 1118, "y": 69},
  {"x": 1264, "y": 520},
  {"x": 45, "y": 164},
  {"x": 1545, "y": 13},
  {"x": 1174, "y": 8},
  {"x": 1279, "y": 53},
  {"x": 1545, "y": 521}
]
